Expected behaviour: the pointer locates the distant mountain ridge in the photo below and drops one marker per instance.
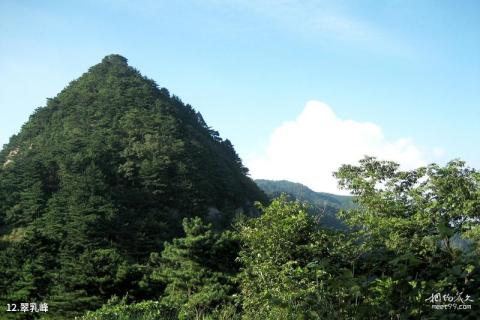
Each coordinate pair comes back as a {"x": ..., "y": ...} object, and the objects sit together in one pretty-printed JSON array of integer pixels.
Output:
[
  {"x": 302, "y": 192},
  {"x": 322, "y": 203}
]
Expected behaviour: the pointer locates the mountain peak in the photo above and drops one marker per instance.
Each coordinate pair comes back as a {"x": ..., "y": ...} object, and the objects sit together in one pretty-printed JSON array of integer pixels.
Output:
[
  {"x": 114, "y": 136},
  {"x": 115, "y": 59},
  {"x": 116, "y": 66}
]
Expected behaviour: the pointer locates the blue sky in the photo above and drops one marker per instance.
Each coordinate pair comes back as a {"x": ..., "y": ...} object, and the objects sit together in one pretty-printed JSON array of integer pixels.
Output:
[{"x": 404, "y": 76}]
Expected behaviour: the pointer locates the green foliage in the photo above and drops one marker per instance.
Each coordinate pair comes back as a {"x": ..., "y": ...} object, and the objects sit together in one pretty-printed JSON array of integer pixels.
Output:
[
  {"x": 411, "y": 234},
  {"x": 148, "y": 310},
  {"x": 291, "y": 268},
  {"x": 151, "y": 310},
  {"x": 410, "y": 227},
  {"x": 197, "y": 270}
]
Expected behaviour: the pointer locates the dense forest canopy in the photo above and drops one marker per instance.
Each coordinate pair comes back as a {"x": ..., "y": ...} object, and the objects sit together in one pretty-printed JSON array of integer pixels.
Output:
[{"x": 117, "y": 201}]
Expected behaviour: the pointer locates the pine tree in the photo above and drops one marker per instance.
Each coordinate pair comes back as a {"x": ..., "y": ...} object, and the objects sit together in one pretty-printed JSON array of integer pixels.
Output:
[{"x": 196, "y": 270}]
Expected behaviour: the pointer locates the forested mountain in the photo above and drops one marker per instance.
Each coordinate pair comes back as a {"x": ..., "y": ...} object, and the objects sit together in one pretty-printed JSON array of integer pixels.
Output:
[
  {"x": 99, "y": 178},
  {"x": 323, "y": 204},
  {"x": 274, "y": 188}
]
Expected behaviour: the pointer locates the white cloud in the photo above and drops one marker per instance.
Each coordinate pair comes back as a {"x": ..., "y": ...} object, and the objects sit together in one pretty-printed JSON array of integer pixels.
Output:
[{"x": 314, "y": 145}]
